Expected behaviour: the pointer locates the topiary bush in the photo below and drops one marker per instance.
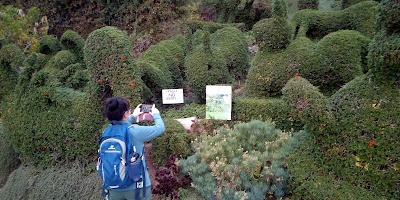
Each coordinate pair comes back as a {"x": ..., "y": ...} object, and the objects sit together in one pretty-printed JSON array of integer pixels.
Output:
[
  {"x": 174, "y": 141},
  {"x": 273, "y": 34},
  {"x": 247, "y": 161},
  {"x": 329, "y": 64},
  {"x": 8, "y": 158},
  {"x": 269, "y": 73},
  {"x": 194, "y": 25},
  {"x": 72, "y": 182},
  {"x": 49, "y": 45},
  {"x": 60, "y": 60},
  {"x": 48, "y": 124},
  {"x": 274, "y": 109},
  {"x": 203, "y": 67},
  {"x": 388, "y": 18},
  {"x": 336, "y": 60},
  {"x": 110, "y": 62},
  {"x": 73, "y": 42},
  {"x": 314, "y": 24},
  {"x": 230, "y": 43}
]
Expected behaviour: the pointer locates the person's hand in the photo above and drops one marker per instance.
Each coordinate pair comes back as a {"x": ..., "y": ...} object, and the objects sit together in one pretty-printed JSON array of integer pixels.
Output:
[
  {"x": 137, "y": 112},
  {"x": 154, "y": 110}
]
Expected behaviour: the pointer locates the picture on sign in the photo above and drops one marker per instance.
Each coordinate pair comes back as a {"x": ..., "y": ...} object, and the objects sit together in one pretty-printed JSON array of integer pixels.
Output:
[
  {"x": 218, "y": 102},
  {"x": 172, "y": 96}
]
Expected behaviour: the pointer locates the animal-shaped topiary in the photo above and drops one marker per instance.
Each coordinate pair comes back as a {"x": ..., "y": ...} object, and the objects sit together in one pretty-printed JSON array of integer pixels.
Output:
[{"x": 357, "y": 129}]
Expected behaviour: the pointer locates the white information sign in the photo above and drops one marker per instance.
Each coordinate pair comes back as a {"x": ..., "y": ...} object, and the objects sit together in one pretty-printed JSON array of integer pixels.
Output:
[
  {"x": 172, "y": 96},
  {"x": 219, "y": 102}
]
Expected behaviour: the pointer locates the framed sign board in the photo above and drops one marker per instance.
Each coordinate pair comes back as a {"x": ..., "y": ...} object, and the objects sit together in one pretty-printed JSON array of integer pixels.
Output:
[
  {"x": 172, "y": 96},
  {"x": 219, "y": 102}
]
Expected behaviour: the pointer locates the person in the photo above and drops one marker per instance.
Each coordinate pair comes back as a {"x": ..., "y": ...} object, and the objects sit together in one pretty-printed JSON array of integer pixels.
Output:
[{"x": 118, "y": 112}]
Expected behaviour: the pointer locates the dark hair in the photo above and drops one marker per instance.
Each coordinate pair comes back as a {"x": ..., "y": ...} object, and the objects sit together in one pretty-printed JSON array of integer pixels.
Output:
[{"x": 116, "y": 107}]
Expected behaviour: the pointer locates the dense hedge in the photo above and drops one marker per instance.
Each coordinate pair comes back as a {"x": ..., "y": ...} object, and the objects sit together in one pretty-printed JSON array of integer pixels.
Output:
[
  {"x": 74, "y": 76},
  {"x": 110, "y": 61},
  {"x": 8, "y": 158},
  {"x": 230, "y": 43},
  {"x": 348, "y": 3},
  {"x": 49, "y": 45},
  {"x": 274, "y": 109},
  {"x": 174, "y": 141},
  {"x": 315, "y": 24},
  {"x": 73, "y": 42}
]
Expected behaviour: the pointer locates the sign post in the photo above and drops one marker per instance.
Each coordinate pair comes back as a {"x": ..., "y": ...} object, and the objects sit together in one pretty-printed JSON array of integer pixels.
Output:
[{"x": 219, "y": 102}]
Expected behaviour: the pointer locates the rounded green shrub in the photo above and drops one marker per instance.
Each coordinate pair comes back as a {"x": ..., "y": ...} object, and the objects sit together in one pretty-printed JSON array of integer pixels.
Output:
[
  {"x": 12, "y": 55},
  {"x": 366, "y": 112},
  {"x": 307, "y": 102},
  {"x": 248, "y": 161},
  {"x": 205, "y": 68},
  {"x": 274, "y": 109},
  {"x": 61, "y": 60},
  {"x": 174, "y": 141},
  {"x": 110, "y": 62},
  {"x": 49, "y": 45},
  {"x": 272, "y": 34},
  {"x": 73, "y": 42},
  {"x": 269, "y": 73},
  {"x": 384, "y": 56},
  {"x": 8, "y": 158},
  {"x": 231, "y": 44},
  {"x": 337, "y": 59},
  {"x": 388, "y": 16},
  {"x": 308, "y": 4}
]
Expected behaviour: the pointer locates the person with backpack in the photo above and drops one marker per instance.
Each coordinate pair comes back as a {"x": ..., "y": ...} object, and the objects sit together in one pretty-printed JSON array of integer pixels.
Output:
[{"x": 121, "y": 162}]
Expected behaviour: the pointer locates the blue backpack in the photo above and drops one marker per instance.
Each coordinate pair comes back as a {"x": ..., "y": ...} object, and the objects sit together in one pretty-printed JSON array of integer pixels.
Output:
[{"x": 118, "y": 165}]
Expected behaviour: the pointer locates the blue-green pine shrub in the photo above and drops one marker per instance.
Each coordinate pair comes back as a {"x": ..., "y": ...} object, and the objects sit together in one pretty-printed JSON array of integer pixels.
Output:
[
  {"x": 248, "y": 161},
  {"x": 49, "y": 45},
  {"x": 231, "y": 44},
  {"x": 73, "y": 42}
]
